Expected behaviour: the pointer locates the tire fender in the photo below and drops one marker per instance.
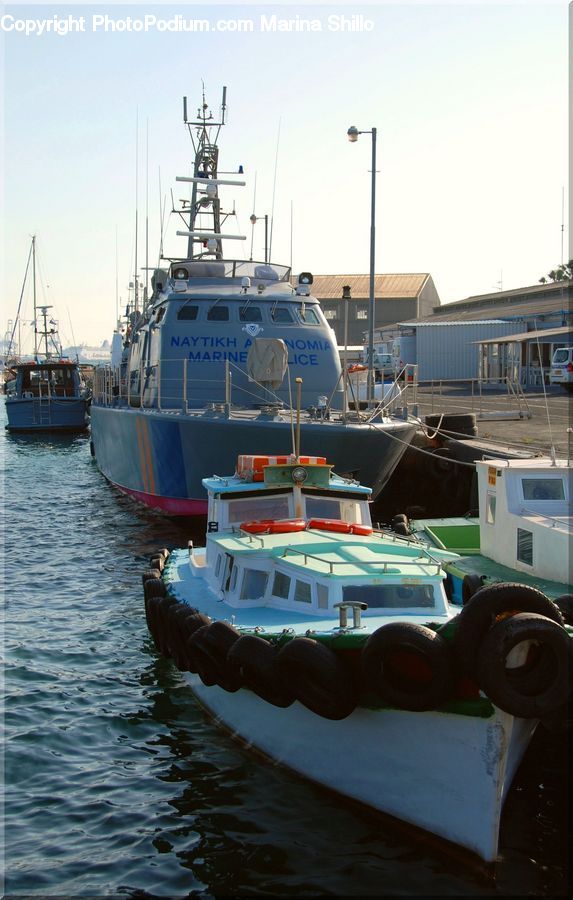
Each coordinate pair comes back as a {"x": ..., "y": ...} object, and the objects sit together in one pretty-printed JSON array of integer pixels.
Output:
[{"x": 318, "y": 678}]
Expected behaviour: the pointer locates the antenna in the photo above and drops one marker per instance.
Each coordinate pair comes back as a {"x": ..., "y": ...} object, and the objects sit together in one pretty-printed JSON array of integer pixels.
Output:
[
  {"x": 146, "y": 291},
  {"x": 185, "y": 110},
  {"x": 116, "y": 282},
  {"x": 224, "y": 105},
  {"x": 253, "y": 221},
  {"x": 291, "y": 235},
  {"x": 136, "y": 274},
  {"x": 274, "y": 188}
]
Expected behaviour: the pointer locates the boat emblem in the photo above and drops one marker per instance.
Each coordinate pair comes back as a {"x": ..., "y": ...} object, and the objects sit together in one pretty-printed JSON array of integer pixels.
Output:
[{"x": 252, "y": 329}]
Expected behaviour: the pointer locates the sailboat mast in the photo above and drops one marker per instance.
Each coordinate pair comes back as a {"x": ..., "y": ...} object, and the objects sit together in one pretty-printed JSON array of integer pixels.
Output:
[{"x": 34, "y": 294}]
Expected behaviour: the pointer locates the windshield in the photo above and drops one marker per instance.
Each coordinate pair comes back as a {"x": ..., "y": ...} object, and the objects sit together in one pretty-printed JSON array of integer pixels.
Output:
[{"x": 391, "y": 596}]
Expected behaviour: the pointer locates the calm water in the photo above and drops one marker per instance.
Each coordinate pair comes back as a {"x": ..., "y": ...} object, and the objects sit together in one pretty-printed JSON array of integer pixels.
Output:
[{"x": 116, "y": 784}]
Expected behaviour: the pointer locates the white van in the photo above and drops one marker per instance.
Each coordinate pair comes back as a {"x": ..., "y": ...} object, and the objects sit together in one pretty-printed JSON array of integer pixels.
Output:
[{"x": 561, "y": 371}]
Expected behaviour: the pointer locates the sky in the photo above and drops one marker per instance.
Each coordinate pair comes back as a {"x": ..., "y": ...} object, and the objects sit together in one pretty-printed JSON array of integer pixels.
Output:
[{"x": 469, "y": 101}]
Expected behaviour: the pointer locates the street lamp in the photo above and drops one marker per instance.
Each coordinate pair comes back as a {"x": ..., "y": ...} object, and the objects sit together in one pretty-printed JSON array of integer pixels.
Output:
[
  {"x": 353, "y": 133},
  {"x": 254, "y": 219}
]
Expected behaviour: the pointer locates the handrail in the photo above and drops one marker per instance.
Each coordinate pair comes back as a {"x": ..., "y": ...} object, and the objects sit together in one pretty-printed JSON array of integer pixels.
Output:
[
  {"x": 542, "y": 515},
  {"x": 366, "y": 563}
]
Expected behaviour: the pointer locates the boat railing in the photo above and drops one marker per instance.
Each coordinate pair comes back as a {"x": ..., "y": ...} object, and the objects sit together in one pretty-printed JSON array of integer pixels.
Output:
[
  {"x": 392, "y": 564},
  {"x": 481, "y": 396},
  {"x": 563, "y": 522}
]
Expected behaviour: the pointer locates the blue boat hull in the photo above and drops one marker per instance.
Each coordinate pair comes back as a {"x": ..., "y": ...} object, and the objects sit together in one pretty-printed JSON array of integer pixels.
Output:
[
  {"x": 160, "y": 458},
  {"x": 34, "y": 414}
]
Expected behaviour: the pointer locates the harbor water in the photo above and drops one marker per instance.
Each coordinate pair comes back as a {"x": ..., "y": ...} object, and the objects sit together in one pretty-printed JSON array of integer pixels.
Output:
[{"x": 117, "y": 784}]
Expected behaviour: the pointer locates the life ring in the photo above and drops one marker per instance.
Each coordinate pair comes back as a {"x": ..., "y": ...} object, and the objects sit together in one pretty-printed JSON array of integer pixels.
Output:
[
  {"x": 273, "y": 526},
  {"x": 529, "y": 693},
  {"x": 318, "y": 678},
  {"x": 257, "y": 662},
  {"x": 408, "y": 665},
  {"x": 365, "y": 530},
  {"x": 207, "y": 650},
  {"x": 482, "y": 609},
  {"x": 331, "y": 525}
]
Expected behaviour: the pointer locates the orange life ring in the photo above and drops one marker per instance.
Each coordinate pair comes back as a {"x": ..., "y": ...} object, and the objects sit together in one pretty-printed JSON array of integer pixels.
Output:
[
  {"x": 331, "y": 525},
  {"x": 361, "y": 529},
  {"x": 273, "y": 526}
]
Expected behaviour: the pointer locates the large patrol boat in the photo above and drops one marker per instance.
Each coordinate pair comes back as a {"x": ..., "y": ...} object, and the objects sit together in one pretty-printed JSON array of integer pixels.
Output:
[{"x": 209, "y": 361}]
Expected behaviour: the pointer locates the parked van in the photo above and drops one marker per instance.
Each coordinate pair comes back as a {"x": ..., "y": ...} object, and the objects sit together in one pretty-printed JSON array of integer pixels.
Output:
[{"x": 561, "y": 371}]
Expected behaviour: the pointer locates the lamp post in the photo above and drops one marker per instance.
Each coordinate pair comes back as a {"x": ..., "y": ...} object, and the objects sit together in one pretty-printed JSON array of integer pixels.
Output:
[
  {"x": 253, "y": 220},
  {"x": 353, "y": 133}
]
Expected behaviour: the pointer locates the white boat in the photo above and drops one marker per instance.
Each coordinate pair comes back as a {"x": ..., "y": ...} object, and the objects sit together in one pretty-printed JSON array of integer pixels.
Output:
[
  {"x": 523, "y": 531},
  {"x": 333, "y": 649}
]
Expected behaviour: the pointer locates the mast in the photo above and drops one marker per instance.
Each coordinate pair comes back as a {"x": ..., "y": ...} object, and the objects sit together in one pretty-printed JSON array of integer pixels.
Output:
[
  {"x": 205, "y": 182},
  {"x": 34, "y": 294}
]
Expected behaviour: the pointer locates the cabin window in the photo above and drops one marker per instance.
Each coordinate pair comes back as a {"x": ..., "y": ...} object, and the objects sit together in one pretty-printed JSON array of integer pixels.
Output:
[
  {"x": 322, "y": 596},
  {"x": 254, "y": 584},
  {"x": 250, "y": 314},
  {"x": 490, "y": 509},
  {"x": 233, "y": 579},
  {"x": 391, "y": 596},
  {"x": 525, "y": 546},
  {"x": 188, "y": 313},
  {"x": 218, "y": 566},
  {"x": 302, "y": 592},
  {"x": 160, "y": 314},
  {"x": 333, "y": 508},
  {"x": 542, "y": 489},
  {"x": 281, "y": 585},
  {"x": 308, "y": 316},
  {"x": 275, "y": 507},
  {"x": 218, "y": 314},
  {"x": 281, "y": 314}
]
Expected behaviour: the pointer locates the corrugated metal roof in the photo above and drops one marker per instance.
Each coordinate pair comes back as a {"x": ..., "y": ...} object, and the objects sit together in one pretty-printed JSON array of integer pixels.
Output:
[
  {"x": 451, "y": 324},
  {"x": 503, "y": 309},
  {"x": 329, "y": 287},
  {"x": 529, "y": 335}
]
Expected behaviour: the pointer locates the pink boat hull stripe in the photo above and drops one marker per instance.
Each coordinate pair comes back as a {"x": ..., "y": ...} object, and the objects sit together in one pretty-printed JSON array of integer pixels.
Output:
[{"x": 175, "y": 506}]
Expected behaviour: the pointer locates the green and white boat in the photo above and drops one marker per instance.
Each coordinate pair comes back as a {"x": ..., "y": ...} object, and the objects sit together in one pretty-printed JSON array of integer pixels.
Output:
[
  {"x": 334, "y": 650},
  {"x": 522, "y": 533}
]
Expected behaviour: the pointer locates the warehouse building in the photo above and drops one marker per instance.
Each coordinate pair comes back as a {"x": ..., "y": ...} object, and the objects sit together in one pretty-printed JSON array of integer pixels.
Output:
[
  {"x": 397, "y": 297},
  {"x": 509, "y": 334}
]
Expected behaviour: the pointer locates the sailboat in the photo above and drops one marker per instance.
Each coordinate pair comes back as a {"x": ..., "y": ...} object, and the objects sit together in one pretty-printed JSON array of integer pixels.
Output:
[
  {"x": 47, "y": 393},
  {"x": 209, "y": 361}
]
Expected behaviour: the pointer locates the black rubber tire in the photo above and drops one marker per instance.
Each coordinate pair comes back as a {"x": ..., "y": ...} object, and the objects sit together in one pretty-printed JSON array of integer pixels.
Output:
[
  {"x": 162, "y": 624},
  {"x": 157, "y": 562},
  {"x": 259, "y": 669},
  {"x": 164, "y": 552},
  {"x": 397, "y": 689},
  {"x": 399, "y": 517},
  {"x": 454, "y": 425},
  {"x": 154, "y": 587},
  {"x": 401, "y": 528},
  {"x": 565, "y": 605},
  {"x": 92, "y": 449},
  {"x": 208, "y": 648},
  {"x": 176, "y": 625},
  {"x": 509, "y": 693},
  {"x": 481, "y": 611},
  {"x": 470, "y": 585},
  {"x": 318, "y": 678},
  {"x": 151, "y": 612},
  {"x": 150, "y": 573}
]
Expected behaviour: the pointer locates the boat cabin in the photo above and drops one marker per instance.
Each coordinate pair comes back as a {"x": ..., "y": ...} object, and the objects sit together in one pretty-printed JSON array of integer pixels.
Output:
[
  {"x": 47, "y": 379},
  {"x": 284, "y": 533},
  {"x": 525, "y": 520}
]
